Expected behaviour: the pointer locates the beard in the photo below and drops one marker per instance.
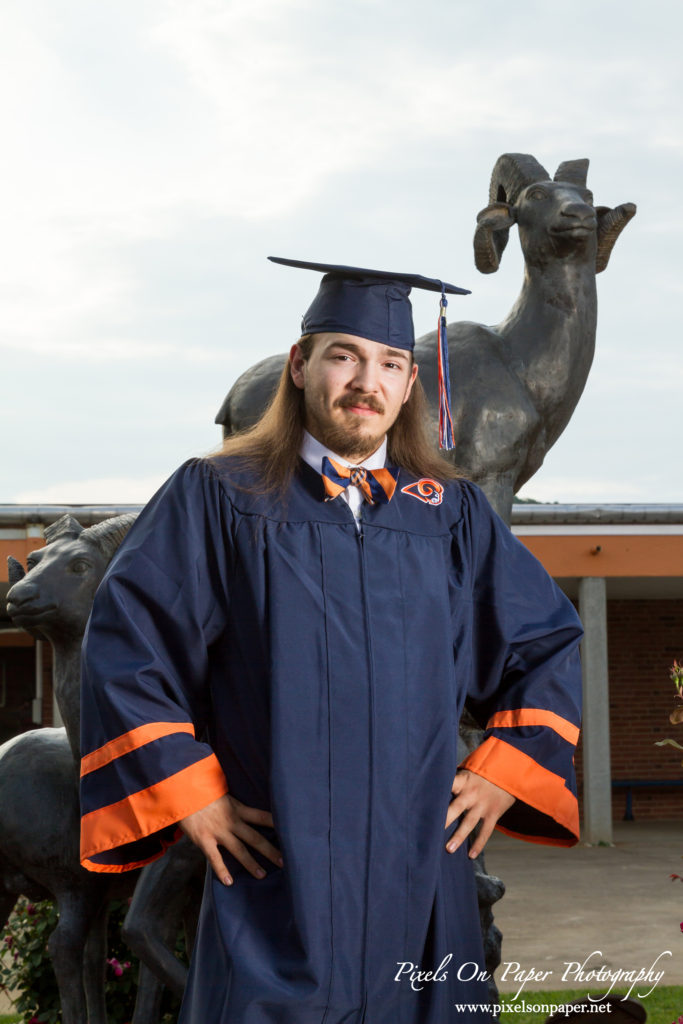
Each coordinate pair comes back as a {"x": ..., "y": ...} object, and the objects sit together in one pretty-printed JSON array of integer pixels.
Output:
[
  {"x": 352, "y": 441},
  {"x": 357, "y": 443}
]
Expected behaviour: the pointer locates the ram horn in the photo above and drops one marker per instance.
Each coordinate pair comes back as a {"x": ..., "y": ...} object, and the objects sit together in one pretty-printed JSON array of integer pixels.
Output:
[
  {"x": 65, "y": 526},
  {"x": 15, "y": 570},
  {"x": 488, "y": 249},
  {"x": 511, "y": 175},
  {"x": 610, "y": 225},
  {"x": 491, "y": 236},
  {"x": 574, "y": 172},
  {"x": 108, "y": 534}
]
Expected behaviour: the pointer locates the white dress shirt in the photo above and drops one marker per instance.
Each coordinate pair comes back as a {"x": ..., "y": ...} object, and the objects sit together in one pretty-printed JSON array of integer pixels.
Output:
[{"x": 312, "y": 452}]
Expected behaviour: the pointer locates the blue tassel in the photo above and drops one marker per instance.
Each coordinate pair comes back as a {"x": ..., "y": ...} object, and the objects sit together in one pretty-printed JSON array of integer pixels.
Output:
[{"x": 446, "y": 440}]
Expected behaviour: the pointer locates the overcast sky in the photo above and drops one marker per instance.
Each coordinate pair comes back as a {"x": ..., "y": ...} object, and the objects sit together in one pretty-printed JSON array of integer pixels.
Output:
[{"x": 155, "y": 152}]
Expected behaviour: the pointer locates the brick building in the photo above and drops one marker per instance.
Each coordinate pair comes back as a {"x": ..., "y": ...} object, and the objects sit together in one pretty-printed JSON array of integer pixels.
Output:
[{"x": 623, "y": 566}]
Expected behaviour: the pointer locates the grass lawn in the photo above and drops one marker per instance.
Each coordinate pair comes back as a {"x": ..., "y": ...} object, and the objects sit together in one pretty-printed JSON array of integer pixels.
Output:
[{"x": 664, "y": 1005}]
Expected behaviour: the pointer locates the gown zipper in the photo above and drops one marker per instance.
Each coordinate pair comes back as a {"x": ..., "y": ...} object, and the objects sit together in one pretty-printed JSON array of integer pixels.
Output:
[{"x": 368, "y": 640}]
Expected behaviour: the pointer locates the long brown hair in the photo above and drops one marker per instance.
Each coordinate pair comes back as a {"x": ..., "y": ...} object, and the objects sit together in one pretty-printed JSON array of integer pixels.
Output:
[{"x": 271, "y": 446}]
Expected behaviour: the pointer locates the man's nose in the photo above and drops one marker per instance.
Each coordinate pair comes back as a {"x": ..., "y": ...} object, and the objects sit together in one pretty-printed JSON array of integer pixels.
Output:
[{"x": 366, "y": 377}]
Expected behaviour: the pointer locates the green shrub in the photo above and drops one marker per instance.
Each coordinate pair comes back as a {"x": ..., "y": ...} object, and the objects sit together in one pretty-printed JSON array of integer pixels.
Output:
[
  {"x": 26, "y": 970},
  {"x": 25, "y": 967}
]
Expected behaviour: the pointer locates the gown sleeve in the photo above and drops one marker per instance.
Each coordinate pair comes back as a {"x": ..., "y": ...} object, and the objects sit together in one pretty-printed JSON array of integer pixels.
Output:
[
  {"x": 525, "y": 688},
  {"x": 161, "y": 604}
]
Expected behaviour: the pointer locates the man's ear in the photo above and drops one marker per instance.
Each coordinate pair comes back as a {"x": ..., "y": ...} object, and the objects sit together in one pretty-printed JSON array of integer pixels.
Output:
[
  {"x": 413, "y": 375},
  {"x": 296, "y": 365}
]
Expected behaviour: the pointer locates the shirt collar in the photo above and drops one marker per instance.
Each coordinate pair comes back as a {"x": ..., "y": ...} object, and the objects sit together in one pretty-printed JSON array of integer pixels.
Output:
[{"x": 312, "y": 452}]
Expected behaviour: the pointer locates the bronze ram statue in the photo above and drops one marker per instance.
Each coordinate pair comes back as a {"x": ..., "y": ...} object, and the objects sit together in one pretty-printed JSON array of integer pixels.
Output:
[
  {"x": 53, "y": 600},
  {"x": 39, "y": 811},
  {"x": 515, "y": 385}
]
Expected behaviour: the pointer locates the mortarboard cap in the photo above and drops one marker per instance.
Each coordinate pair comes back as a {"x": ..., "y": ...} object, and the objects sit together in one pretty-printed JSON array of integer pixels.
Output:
[
  {"x": 370, "y": 304},
  {"x": 374, "y": 304}
]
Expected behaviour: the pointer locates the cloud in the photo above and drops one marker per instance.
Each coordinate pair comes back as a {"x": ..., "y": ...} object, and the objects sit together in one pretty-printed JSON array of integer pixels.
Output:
[
  {"x": 97, "y": 491},
  {"x": 546, "y": 487},
  {"x": 155, "y": 152},
  {"x": 102, "y": 349},
  {"x": 577, "y": 488},
  {"x": 627, "y": 373},
  {"x": 245, "y": 111}
]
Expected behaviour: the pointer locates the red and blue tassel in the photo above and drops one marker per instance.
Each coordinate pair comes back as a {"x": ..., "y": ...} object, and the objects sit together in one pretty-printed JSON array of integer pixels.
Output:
[{"x": 446, "y": 440}]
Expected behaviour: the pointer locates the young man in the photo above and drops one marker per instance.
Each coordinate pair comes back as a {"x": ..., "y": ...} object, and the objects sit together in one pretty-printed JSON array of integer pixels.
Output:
[{"x": 277, "y": 662}]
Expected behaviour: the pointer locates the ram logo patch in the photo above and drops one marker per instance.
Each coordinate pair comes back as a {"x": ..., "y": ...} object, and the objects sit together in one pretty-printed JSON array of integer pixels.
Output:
[{"x": 429, "y": 491}]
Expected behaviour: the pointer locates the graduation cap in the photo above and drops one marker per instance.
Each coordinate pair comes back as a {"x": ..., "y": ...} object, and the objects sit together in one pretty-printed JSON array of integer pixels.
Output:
[{"x": 375, "y": 304}]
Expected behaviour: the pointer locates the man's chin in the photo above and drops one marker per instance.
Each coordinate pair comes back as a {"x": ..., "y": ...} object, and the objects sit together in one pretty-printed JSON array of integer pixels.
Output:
[{"x": 357, "y": 442}]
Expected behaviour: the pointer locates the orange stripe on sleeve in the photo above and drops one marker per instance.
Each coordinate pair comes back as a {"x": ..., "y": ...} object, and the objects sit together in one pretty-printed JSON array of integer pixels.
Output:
[
  {"x": 151, "y": 809},
  {"x": 131, "y": 741},
  {"x": 535, "y": 716},
  {"x": 92, "y": 865},
  {"x": 519, "y": 774}
]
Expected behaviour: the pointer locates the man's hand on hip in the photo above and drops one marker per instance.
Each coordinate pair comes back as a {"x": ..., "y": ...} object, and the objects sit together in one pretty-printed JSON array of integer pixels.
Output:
[
  {"x": 225, "y": 822},
  {"x": 476, "y": 799}
]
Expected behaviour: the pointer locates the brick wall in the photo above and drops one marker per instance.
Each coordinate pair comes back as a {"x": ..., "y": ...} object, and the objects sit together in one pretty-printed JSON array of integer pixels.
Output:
[{"x": 643, "y": 639}]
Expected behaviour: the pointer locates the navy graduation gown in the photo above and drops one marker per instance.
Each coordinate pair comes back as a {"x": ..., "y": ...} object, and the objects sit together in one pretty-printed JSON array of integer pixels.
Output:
[{"x": 266, "y": 648}]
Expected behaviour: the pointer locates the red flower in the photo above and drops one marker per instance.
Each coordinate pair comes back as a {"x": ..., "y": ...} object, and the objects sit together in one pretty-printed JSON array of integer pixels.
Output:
[{"x": 115, "y": 966}]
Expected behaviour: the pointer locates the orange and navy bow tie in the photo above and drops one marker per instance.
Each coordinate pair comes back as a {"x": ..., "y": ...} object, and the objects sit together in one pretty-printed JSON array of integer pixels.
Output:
[{"x": 376, "y": 484}]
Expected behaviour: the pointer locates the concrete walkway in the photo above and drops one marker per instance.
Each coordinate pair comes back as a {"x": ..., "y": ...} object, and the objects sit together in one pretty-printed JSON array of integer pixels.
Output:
[{"x": 563, "y": 904}]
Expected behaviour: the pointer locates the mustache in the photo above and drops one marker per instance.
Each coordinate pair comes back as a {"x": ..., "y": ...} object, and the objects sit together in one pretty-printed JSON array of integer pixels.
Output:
[{"x": 367, "y": 401}]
